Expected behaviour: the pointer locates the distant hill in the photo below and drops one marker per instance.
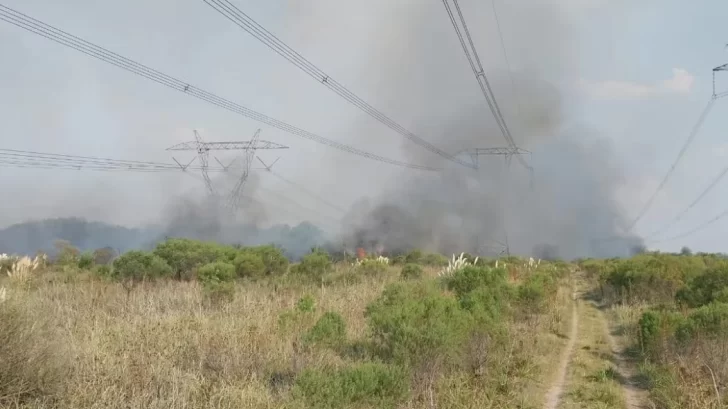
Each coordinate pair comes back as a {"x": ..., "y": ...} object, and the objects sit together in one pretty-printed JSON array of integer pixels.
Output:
[{"x": 30, "y": 237}]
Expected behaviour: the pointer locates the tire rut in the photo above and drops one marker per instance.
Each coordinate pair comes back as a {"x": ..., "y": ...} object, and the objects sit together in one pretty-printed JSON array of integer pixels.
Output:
[{"x": 553, "y": 397}]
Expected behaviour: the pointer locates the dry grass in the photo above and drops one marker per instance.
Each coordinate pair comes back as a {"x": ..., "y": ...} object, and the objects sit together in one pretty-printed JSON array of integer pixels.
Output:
[{"x": 88, "y": 343}]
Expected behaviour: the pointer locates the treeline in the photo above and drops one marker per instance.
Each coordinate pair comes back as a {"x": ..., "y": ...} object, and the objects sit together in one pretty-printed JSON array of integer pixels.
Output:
[
  {"x": 681, "y": 333},
  {"x": 30, "y": 237}
]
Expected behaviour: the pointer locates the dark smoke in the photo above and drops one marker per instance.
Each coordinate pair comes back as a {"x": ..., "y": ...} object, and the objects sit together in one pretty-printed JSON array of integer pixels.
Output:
[{"x": 572, "y": 207}]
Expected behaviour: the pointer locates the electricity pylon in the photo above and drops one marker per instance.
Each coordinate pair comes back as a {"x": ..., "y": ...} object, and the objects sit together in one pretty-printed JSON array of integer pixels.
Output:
[{"x": 203, "y": 152}]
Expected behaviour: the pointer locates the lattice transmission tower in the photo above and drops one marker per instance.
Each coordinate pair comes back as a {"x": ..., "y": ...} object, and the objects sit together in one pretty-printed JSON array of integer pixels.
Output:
[
  {"x": 508, "y": 152},
  {"x": 203, "y": 149}
]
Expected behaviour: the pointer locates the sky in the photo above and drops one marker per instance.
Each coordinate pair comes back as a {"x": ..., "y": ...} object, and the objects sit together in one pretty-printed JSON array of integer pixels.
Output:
[{"x": 636, "y": 73}]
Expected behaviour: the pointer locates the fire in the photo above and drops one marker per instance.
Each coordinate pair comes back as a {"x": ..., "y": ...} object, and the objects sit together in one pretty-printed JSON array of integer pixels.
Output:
[{"x": 360, "y": 253}]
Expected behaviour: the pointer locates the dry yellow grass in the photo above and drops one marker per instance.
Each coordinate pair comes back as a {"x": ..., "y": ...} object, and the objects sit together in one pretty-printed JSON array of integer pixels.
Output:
[{"x": 163, "y": 346}]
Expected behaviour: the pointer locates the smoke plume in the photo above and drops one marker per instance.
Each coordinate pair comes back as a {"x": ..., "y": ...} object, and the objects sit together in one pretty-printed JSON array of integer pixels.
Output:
[{"x": 571, "y": 207}]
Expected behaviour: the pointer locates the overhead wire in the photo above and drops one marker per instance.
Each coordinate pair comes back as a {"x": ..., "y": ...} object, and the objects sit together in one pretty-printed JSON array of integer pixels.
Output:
[
  {"x": 481, "y": 77},
  {"x": 694, "y": 230},
  {"x": 61, "y": 37},
  {"x": 505, "y": 56},
  {"x": 307, "y": 191},
  {"x": 700, "y": 197},
  {"x": 21, "y": 157},
  {"x": 244, "y": 21},
  {"x": 691, "y": 136}
]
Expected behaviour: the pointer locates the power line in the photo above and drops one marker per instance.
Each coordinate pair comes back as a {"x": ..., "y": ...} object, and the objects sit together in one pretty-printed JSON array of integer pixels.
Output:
[
  {"x": 237, "y": 16},
  {"x": 700, "y": 197},
  {"x": 37, "y": 27},
  {"x": 30, "y": 158},
  {"x": 308, "y": 192},
  {"x": 693, "y": 133},
  {"x": 505, "y": 55},
  {"x": 690, "y": 232},
  {"x": 479, "y": 72}
]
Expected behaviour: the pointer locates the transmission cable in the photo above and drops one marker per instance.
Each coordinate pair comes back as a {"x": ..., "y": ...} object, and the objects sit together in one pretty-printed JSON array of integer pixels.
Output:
[
  {"x": 505, "y": 55},
  {"x": 680, "y": 215},
  {"x": 237, "y": 16},
  {"x": 37, "y": 27},
  {"x": 693, "y": 133},
  {"x": 692, "y": 231},
  {"x": 308, "y": 192},
  {"x": 479, "y": 71}
]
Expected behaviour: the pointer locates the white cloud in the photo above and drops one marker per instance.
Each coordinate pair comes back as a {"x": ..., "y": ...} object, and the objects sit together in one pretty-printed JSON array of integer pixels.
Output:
[{"x": 681, "y": 82}]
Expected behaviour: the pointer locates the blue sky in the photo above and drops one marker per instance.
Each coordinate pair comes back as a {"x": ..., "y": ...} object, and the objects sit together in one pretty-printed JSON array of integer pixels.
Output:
[{"x": 636, "y": 73}]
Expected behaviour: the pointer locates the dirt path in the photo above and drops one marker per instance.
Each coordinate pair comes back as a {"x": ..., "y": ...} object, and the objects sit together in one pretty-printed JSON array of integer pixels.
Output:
[
  {"x": 554, "y": 394},
  {"x": 593, "y": 372},
  {"x": 634, "y": 397}
]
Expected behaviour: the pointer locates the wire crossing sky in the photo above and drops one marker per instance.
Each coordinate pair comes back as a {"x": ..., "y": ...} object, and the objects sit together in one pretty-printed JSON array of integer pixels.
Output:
[
  {"x": 37, "y": 27},
  {"x": 234, "y": 14}
]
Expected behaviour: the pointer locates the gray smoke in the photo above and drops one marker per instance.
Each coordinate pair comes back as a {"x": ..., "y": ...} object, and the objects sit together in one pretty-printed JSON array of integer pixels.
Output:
[{"x": 572, "y": 206}]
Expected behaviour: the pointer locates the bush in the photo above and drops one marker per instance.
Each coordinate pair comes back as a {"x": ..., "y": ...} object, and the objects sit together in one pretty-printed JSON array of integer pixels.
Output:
[
  {"x": 536, "y": 291},
  {"x": 306, "y": 304},
  {"x": 470, "y": 278},
  {"x": 707, "y": 321},
  {"x": 275, "y": 261},
  {"x": 482, "y": 291},
  {"x": 135, "y": 266},
  {"x": 411, "y": 272},
  {"x": 103, "y": 271},
  {"x": 435, "y": 260},
  {"x": 67, "y": 254},
  {"x": 217, "y": 280},
  {"x": 329, "y": 331},
  {"x": 705, "y": 288},
  {"x": 86, "y": 261},
  {"x": 372, "y": 268},
  {"x": 249, "y": 265},
  {"x": 414, "y": 256},
  {"x": 185, "y": 256},
  {"x": 364, "y": 385},
  {"x": 412, "y": 323},
  {"x": 313, "y": 266}
]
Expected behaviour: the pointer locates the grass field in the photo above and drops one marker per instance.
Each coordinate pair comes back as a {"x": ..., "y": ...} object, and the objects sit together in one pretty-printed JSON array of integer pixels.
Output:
[{"x": 74, "y": 338}]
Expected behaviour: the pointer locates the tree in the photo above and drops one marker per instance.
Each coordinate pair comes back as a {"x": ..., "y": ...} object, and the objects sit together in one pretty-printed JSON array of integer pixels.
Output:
[{"x": 685, "y": 251}]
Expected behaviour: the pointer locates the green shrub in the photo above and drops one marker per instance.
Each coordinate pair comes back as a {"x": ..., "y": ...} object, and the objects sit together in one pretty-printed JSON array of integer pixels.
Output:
[
  {"x": 536, "y": 291},
  {"x": 411, "y": 272},
  {"x": 313, "y": 266},
  {"x": 217, "y": 280},
  {"x": 67, "y": 254},
  {"x": 434, "y": 260},
  {"x": 185, "y": 256},
  {"x": 103, "y": 271},
  {"x": 371, "y": 268},
  {"x": 412, "y": 323},
  {"x": 705, "y": 288},
  {"x": 275, "y": 261},
  {"x": 329, "y": 331},
  {"x": 363, "y": 385},
  {"x": 86, "y": 261},
  {"x": 707, "y": 321},
  {"x": 414, "y": 256},
  {"x": 249, "y": 265},
  {"x": 306, "y": 304},
  {"x": 135, "y": 266},
  {"x": 470, "y": 278}
]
